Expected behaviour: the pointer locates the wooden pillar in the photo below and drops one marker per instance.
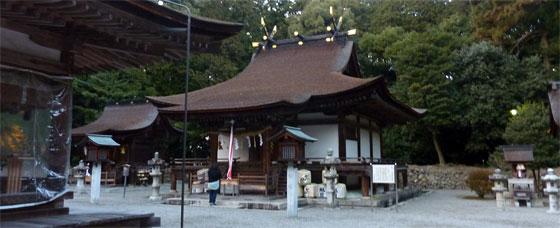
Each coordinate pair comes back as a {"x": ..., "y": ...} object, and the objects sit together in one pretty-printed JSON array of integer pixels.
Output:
[
  {"x": 173, "y": 182},
  {"x": 370, "y": 141},
  {"x": 365, "y": 185},
  {"x": 341, "y": 139},
  {"x": 213, "y": 148},
  {"x": 359, "y": 137},
  {"x": 380, "y": 144},
  {"x": 266, "y": 157}
]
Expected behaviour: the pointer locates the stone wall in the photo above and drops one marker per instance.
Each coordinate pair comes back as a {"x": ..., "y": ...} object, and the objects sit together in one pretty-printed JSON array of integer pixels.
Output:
[{"x": 439, "y": 177}]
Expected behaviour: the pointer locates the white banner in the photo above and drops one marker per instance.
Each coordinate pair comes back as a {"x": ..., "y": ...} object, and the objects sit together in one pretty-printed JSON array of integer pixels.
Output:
[{"x": 383, "y": 174}]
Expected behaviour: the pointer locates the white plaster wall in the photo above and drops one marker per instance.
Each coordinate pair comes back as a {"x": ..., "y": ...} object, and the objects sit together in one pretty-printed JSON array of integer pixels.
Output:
[
  {"x": 242, "y": 153},
  {"x": 351, "y": 149},
  {"x": 364, "y": 143},
  {"x": 327, "y": 137},
  {"x": 376, "y": 139}
]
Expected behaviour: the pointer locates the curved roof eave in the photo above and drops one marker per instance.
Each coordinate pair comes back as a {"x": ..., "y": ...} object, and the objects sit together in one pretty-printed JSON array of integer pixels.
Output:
[
  {"x": 113, "y": 119},
  {"x": 373, "y": 82}
]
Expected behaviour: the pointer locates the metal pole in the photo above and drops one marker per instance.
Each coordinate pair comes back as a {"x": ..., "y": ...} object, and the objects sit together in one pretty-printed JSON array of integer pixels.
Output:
[
  {"x": 124, "y": 191},
  {"x": 185, "y": 119},
  {"x": 185, "y": 108},
  {"x": 396, "y": 189}
]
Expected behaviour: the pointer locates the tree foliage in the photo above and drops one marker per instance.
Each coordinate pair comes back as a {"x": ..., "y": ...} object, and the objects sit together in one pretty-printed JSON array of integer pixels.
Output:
[
  {"x": 467, "y": 62},
  {"x": 530, "y": 126},
  {"x": 524, "y": 27}
]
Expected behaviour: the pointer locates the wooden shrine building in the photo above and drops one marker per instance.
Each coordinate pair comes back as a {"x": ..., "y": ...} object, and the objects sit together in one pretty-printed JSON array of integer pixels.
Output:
[
  {"x": 136, "y": 127},
  {"x": 317, "y": 87},
  {"x": 43, "y": 43}
]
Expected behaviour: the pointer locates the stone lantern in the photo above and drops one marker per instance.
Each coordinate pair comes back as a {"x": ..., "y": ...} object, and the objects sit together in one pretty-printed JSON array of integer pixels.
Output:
[
  {"x": 79, "y": 174},
  {"x": 500, "y": 183},
  {"x": 330, "y": 178},
  {"x": 155, "y": 171},
  {"x": 551, "y": 189}
]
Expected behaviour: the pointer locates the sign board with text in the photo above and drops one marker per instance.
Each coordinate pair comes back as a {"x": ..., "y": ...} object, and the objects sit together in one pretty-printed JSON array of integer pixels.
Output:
[{"x": 383, "y": 174}]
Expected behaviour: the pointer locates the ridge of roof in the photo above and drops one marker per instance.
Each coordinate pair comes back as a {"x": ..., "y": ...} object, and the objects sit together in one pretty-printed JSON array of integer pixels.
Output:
[{"x": 289, "y": 73}]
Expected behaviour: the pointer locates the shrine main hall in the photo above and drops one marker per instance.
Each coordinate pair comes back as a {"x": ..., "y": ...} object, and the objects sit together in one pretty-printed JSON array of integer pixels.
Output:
[{"x": 296, "y": 100}]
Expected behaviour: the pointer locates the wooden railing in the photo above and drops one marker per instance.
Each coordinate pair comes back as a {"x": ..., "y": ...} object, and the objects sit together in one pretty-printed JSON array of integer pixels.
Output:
[{"x": 255, "y": 183}]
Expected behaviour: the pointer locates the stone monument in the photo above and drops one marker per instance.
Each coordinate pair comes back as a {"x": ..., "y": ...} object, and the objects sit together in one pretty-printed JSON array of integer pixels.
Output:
[
  {"x": 499, "y": 187},
  {"x": 292, "y": 189},
  {"x": 155, "y": 164},
  {"x": 551, "y": 189},
  {"x": 330, "y": 178},
  {"x": 79, "y": 174},
  {"x": 95, "y": 192}
]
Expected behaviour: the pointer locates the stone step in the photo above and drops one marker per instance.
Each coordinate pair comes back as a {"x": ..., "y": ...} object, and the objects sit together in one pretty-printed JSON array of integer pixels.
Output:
[{"x": 237, "y": 204}]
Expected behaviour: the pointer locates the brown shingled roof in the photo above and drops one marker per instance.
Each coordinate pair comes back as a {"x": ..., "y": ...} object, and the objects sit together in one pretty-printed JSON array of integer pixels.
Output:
[
  {"x": 291, "y": 74},
  {"x": 119, "y": 118},
  {"x": 518, "y": 153}
]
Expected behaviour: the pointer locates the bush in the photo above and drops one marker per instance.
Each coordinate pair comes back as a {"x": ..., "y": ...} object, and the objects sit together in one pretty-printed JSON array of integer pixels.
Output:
[{"x": 479, "y": 182}]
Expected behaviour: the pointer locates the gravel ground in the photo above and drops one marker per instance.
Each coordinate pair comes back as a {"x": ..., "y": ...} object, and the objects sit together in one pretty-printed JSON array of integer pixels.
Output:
[{"x": 435, "y": 209}]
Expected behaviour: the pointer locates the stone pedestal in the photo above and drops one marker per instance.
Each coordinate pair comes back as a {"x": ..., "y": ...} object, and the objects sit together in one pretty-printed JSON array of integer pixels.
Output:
[
  {"x": 499, "y": 187},
  {"x": 330, "y": 190},
  {"x": 95, "y": 192},
  {"x": 330, "y": 176},
  {"x": 155, "y": 164},
  {"x": 292, "y": 190},
  {"x": 80, "y": 187},
  {"x": 156, "y": 183},
  {"x": 79, "y": 174},
  {"x": 522, "y": 190},
  {"x": 551, "y": 180}
]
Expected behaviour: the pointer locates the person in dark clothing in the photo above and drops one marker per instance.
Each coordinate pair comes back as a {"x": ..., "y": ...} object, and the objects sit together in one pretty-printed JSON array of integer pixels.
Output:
[{"x": 214, "y": 176}]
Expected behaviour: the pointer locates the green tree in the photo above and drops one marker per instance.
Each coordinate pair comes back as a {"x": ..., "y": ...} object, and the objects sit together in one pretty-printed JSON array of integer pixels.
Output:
[
  {"x": 418, "y": 16},
  {"x": 530, "y": 126},
  {"x": 315, "y": 16},
  {"x": 424, "y": 66},
  {"x": 490, "y": 82},
  {"x": 93, "y": 92},
  {"x": 523, "y": 27}
]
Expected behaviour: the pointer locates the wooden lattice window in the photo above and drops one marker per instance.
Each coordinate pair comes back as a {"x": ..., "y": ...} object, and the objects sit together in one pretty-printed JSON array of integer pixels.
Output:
[{"x": 288, "y": 151}]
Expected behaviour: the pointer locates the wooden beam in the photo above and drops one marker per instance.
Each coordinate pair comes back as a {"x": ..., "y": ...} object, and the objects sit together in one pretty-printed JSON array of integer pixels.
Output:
[
  {"x": 317, "y": 122},
  {"x": 17, "y": 59},
  {"x": 39, "y": 36},
  {"x": 214, "y": 145},
  {"x": 381, "y": 155},
  {"x": 359, "y": 130},
  {"x": 370, "y": 141},
  {"x": 341, "y": 138}
]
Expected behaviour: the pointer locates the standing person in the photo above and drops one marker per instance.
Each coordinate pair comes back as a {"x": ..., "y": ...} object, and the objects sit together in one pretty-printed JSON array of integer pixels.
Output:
[{"x": 214, "y": 176}]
